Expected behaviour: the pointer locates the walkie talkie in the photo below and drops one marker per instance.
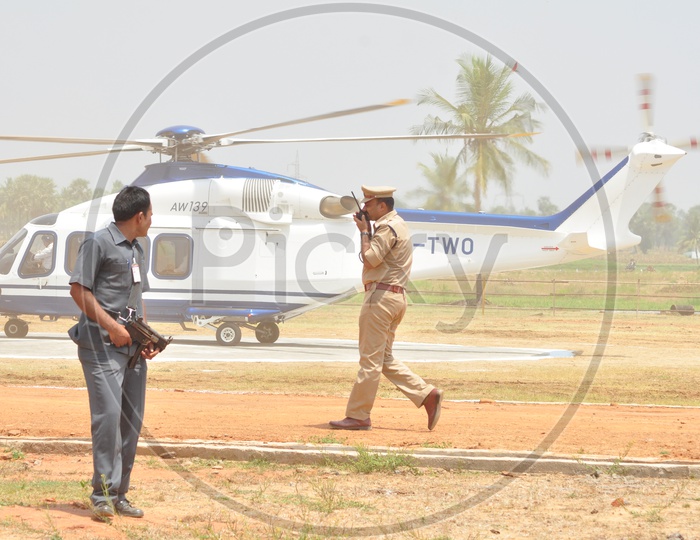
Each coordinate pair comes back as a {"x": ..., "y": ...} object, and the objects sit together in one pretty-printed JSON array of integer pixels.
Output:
[{"x": 360, "y": 214}]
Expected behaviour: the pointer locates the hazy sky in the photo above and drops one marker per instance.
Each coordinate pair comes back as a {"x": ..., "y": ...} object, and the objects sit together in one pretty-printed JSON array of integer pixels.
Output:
[{"x": 89, "y": 69}]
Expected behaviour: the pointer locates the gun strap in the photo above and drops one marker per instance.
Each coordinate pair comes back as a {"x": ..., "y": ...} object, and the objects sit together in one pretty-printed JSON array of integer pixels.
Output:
[
  {"x": 133, "y": 295},
  {"x": 135, "y": 292}
]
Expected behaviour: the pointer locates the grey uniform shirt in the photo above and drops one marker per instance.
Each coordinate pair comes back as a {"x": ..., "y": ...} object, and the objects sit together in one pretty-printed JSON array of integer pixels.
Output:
[{"x": 104, "y": 265}]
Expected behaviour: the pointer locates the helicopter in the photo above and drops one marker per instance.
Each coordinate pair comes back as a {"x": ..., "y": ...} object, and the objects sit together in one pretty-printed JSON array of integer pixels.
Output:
[{"x": 234, "y": 248}]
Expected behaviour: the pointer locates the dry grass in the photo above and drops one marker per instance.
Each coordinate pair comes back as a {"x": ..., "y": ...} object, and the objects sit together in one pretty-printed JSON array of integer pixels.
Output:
[
  {"x": 645, "y": 358},
  {"x": 200, "y": 499}
]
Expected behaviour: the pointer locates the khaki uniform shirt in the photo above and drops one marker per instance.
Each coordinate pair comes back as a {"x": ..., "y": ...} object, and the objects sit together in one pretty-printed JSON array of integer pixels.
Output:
[{"x": 390, "y": 252}]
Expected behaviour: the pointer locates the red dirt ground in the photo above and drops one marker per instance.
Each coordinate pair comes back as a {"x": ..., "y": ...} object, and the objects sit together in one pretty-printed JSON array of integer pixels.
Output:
[{"x": 652, "y": 432}]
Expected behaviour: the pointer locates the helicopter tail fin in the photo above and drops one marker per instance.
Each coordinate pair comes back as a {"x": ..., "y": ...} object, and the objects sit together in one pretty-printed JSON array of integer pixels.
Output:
[{"x": 605, "y": 210}]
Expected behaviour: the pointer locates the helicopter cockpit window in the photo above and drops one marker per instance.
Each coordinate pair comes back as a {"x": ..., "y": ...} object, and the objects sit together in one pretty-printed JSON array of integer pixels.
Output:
[
  {"x": 172, "y": 256},
  {"x": 8, "y": 252},
  {"x": 39, "y": 259}
]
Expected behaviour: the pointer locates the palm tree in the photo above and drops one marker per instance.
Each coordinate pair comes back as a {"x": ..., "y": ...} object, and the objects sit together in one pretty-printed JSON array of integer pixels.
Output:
[
  {"x": 484, "y": 105},
  {"x": 448, "y": 190}
]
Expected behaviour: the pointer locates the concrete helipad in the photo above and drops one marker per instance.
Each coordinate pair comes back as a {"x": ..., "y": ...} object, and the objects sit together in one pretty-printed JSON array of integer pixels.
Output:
[{"x": 183, "y": 349}]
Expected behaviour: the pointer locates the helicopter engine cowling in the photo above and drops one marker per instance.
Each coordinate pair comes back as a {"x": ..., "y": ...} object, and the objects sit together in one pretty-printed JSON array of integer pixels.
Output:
[{"x": 335, "y": 207}]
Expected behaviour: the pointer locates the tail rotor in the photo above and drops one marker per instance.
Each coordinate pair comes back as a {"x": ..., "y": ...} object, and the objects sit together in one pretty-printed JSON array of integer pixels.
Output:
[{"x": 645, "y": 93}]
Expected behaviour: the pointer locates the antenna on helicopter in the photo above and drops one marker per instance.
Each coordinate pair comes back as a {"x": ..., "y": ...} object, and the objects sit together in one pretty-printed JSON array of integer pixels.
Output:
[{"x": 296, "y": 167}]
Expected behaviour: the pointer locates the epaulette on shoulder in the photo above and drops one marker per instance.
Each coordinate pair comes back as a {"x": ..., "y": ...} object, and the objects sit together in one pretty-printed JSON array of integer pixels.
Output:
[{"x": 393, "y": 231}]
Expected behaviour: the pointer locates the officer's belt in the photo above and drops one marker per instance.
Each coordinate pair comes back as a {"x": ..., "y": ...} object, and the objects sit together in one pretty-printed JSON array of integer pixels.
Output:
[{"x": 384, "y": 287}]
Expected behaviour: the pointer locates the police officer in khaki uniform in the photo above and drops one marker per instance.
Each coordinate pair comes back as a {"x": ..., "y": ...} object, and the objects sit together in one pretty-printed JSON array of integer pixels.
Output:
[{"x": 387, "y": 255}]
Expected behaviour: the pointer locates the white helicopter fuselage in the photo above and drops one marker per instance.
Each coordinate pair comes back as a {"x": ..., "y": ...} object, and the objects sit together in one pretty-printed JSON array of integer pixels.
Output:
[{"x": 240, "y": 247}]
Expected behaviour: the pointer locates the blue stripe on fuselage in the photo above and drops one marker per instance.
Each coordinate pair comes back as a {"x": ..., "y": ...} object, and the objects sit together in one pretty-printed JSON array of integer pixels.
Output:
[
  {"x": 546, "y": 223},
  {"x": 159, "y": 310},
  {"x": 191, "y": 291},
  {"x": 175, "y": 171}
]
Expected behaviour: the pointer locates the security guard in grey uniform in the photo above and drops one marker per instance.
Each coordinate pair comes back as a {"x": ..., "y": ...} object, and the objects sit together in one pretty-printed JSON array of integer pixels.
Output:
[
  {"x": 110, "y": 266},
  {"x": 387, "y": 256}
]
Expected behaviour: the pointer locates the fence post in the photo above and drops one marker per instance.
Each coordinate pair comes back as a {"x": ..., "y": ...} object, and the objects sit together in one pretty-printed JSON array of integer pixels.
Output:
[
  {"x": 639, "y": 290},
  {"x": 554, "y": 297},
  {"x": 479, "y": 290}
]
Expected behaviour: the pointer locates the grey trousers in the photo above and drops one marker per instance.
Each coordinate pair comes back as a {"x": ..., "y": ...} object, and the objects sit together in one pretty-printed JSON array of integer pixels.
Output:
[{"x": 117, "y": 398}]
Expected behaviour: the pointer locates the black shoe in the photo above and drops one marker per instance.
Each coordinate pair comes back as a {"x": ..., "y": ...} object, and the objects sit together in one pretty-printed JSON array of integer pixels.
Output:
[
  {"x": 102, "y": 511},
  {"x": 124, "y": 508}
]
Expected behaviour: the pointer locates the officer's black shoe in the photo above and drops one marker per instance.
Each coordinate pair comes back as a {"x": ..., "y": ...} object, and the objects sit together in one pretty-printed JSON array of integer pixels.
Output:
[
  {"x": 124, "y": 508},
  {"x": 102, "y": 511}
]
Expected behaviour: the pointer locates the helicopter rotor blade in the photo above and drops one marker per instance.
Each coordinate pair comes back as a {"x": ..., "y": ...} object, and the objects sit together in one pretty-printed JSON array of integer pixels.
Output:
[
  {"x": 690, "y": 143},
  {"x": 605, "y": 152},
  {"x": 646, "y": 88},
  {"x": 72, "y": 154},
  {"x": 658, "y": 205},
  {"x": 235, "y": 142},
  {"x": 346, "y": 112},
  {"x": 150, "y": 144}
]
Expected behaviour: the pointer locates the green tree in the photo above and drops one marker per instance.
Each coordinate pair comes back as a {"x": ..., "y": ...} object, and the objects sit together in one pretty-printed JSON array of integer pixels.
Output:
[
  {"x": 23, "y": 198},
  {"x": 79, "y": 190},
  {"x": 76, "y": 192},
  {"x": 117, "y": 186},
  {"x": 690, "y": 238},
  {"x": 485, "y": 104},
  {"x": 654, "y": 234},
  {"x": 669, "y": 231},
  {"x": 448, "y": 190},
  {"x": 545, "y": 207},
  {"x": 643, "y": 224}
]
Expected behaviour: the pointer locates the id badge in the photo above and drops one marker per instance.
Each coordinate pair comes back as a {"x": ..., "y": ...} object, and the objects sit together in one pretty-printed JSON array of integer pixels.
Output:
[{"x": 135, "y": 273}]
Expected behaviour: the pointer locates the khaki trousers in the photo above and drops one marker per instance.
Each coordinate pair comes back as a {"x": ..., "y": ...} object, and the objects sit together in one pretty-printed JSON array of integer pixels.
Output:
[{"x": 382, "y": 312}]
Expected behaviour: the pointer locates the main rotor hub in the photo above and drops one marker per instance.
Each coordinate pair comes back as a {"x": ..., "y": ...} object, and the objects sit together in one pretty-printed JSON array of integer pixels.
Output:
[
  {"x": 179, "y": 133},
  {"x": 184, "y": 142}
]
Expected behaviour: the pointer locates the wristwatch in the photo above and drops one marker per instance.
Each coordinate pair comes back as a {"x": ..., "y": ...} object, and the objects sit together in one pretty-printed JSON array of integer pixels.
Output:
[{"x": 364, "y": 233}]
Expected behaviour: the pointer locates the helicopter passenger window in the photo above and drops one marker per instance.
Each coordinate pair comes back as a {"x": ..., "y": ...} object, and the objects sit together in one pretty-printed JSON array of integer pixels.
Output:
[
  {"x": 72, "y": 247},
  {"x": 39, "y": 258},
  {"x": 8, "y": 252},
  {"x": 172, "y": 256}
]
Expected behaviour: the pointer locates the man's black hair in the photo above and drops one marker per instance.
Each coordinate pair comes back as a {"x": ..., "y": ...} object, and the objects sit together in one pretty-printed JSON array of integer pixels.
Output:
[
  {"x": 130, "y": 201},
  {"x": 389, "y": 201}
]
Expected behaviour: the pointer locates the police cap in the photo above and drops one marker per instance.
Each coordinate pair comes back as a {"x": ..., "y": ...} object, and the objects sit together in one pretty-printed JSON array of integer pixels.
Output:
[{"x": 377, "y": 192}]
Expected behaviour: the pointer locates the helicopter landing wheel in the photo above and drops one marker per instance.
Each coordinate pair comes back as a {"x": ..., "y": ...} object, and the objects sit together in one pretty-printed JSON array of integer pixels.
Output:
[
  {"x": 50, "y": 318},
  {"x": 228, "y": 334},
  {"x": 267, "y": 332},
  {"x": 16, "y": 328}
]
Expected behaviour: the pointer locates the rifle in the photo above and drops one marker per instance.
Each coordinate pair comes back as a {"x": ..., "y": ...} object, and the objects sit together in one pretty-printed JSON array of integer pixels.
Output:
[{"x": 143, "y": 335}]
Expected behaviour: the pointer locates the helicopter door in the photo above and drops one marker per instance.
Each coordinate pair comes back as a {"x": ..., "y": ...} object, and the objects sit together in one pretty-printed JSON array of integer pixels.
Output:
[{"x": 226, "y": 263}]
